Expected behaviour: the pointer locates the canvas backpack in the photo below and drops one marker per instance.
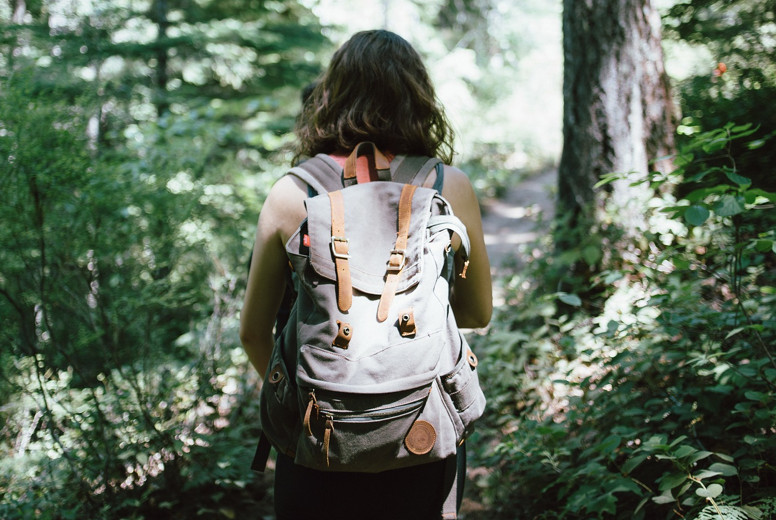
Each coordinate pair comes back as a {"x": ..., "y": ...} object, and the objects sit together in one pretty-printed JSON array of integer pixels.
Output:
[{"x": 370, "y": 372}]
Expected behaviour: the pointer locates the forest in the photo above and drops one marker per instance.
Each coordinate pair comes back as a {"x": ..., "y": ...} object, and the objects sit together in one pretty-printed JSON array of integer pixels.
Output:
[{"x": 630, "y": 365}]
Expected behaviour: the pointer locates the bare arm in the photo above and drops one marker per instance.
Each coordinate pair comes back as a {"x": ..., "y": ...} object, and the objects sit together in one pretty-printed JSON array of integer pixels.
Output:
[
  {"x": 472, "y": 296},
  {"x": 282, "y": 212}
]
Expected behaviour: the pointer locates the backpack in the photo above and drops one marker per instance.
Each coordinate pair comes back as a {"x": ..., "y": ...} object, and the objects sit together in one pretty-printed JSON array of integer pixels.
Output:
[{"x": 370, "y": 372}]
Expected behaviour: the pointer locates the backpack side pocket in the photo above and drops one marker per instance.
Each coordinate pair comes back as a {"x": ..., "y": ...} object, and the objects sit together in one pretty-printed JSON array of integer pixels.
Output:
[
  {"x": 278, "y": 408},
  {"x": 463, "y": 392}
]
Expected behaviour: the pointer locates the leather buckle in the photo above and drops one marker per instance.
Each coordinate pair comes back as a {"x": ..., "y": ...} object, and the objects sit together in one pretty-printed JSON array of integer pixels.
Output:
[
  {"x": 337, "y": 254},
  {"x": 393, "y": 267}
]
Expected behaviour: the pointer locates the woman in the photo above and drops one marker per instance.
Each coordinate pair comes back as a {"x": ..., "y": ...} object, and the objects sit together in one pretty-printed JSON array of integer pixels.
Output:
[{"x": 376, "y": 89}]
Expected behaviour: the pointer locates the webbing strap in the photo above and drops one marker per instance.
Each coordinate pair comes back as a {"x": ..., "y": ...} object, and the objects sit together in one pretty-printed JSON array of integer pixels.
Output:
[
  {"x": 262, "y": 454},
  {"x": 451, "y": 485},
  {"x": 339, "y": 248},
  {"x": 397, "y": 258},
  {"x": 449, "y": 507},
  {"x": 452, "y": 223},
  {"x": 414, "y": 169},
  {"x": 379, "y": 167},
  {"x": 322, "y": 173}
]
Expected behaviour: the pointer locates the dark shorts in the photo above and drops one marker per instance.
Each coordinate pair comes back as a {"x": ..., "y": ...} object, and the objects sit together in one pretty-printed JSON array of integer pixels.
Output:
[{"x": 414, "y": 493}]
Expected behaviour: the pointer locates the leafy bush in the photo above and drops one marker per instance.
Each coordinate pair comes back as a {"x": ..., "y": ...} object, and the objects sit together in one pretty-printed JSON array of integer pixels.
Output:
[
  {"x": 119, "y": 311},
  {"x": 654, "y": 395}
]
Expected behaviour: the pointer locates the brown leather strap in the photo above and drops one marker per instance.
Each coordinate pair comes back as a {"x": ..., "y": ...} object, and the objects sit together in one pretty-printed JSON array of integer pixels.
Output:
[
  {"x": 397, "y": 258},
  {"x": 327, "y": 438},
  {"x": 378, "y": 166},
  {"x": 312, "y": 405},
  {"x": 339, "y": 248}
]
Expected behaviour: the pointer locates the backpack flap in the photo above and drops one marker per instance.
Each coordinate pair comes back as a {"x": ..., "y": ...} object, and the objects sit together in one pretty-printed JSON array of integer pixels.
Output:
[{"x": 370, "y": 228}]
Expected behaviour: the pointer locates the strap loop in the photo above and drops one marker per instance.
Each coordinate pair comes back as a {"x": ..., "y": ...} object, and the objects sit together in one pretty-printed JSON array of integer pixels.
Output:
[{"x": 378, "y": 166}]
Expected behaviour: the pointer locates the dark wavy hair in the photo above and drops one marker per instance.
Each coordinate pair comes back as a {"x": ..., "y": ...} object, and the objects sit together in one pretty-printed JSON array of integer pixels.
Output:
[{"x": 376, "y": 89}]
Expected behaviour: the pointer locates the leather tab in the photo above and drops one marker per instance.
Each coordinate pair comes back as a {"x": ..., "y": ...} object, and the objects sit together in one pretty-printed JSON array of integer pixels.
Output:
[
  {"x": 327, "y": 438},
  {"x": 378, "y": 166},
  {"x": 397, "y": 258},
  {"x": 339, "y": 249},
  {"x": 345, "y": 332},
  {"x": 407, "y": 323},
  {"x": 472, "y": 359},
  {"x": 311, "y": 405}
]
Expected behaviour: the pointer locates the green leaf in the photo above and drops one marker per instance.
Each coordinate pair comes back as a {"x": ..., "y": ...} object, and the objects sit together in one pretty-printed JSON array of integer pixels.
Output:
[
  {"x": 706, "y": 474},
  {"x": 609, "y": 444},
  {"x": 684, "y": 451},
  {"x": 665, "y": 498},
  {"x": 672, "y": 480},
  {"x": 698, "y": 456},
  {"x": 725, "y": 469},
  {"x": 728, "y": 205},
  {"x": 738, "y": 179},
  {"x": 712, "y": 491},
  {"x": 591, "y": 255},
  {"x": 753, "y": 512},
  {"x": 626, "y": 485},
  {"x": 609, "y": 178},
  {"x": 701, "y": 193},
  {"x": 632, "y": 463},
  {"x": 570, "y": 299},
  {"x": 696, "y": 215},
  {"x": 757, "y": 396}
]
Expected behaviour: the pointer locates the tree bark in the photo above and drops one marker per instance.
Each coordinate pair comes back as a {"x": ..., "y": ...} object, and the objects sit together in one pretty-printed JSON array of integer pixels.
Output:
[
  {"x": 160, "y": 9},
  {"x": 618, "y": 113}
]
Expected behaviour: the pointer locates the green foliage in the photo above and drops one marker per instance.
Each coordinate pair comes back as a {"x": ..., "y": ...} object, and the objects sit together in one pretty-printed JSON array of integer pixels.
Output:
[
  {"x": 735, "y": 34},
  {"x": 652, "y": 390},
  {"x": 137, "y": 145}
]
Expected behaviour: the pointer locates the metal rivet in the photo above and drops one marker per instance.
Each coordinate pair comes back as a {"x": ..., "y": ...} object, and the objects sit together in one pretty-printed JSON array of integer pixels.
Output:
[{"x": 405, "y": 318}]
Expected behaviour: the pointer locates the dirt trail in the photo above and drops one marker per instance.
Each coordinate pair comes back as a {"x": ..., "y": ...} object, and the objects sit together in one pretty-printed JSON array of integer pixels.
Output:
[
  {"x": 509, "y": 223},
  {"x": 517, "y": 219}
]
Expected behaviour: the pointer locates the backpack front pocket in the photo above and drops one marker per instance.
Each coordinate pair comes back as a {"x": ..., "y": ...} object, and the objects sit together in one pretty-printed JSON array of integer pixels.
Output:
[{"x": 349, "y": 432}]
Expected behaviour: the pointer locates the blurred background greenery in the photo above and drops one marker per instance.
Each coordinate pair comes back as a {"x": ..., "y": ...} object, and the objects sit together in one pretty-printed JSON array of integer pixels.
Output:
[{"x": 138, "y": 139}]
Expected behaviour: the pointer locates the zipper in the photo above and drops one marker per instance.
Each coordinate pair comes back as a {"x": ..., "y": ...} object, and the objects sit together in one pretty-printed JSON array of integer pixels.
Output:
[{"x": 370, "y": 416}]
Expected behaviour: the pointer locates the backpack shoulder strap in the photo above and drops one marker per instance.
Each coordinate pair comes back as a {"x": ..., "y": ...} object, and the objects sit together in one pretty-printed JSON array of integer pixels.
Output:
[
  {"x": 321, "y": 173},
  {"x": 413, "y": 169}
]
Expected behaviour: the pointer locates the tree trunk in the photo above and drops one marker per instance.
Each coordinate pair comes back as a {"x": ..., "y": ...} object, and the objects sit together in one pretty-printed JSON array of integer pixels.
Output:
[
  {"x": 160, "y": 10},
  {"x": 618, "y": 114},
  {"x": 19, "y": 10}
]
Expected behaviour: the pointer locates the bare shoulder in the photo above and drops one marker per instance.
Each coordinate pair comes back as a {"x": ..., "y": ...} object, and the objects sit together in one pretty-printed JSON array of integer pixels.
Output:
[
  {"x": 284, "y": 209},
  {"x": 458, "y": 190}
]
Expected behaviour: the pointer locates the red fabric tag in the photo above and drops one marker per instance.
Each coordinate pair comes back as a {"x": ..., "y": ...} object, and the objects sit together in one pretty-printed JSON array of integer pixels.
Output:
[{"x": 306, "y": 240}]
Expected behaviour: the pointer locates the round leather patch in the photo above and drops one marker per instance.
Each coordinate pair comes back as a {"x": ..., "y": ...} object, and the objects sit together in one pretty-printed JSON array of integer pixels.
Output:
[{"x": 421, "y": 438}]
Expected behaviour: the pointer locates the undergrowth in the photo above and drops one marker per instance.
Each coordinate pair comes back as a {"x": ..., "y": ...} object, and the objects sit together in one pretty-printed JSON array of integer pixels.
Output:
[{"x": 648, "y": 391}]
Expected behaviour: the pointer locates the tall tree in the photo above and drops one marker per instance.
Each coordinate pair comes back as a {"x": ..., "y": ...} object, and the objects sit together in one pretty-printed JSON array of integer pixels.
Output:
[{"x": 618, "y": 114}]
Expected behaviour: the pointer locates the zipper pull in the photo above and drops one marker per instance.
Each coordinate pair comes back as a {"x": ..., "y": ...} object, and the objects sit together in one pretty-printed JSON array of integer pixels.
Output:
[
  {"x": 465, "y": 268},
  {"x": 311, "y": 404},
  {"x": 327, "y": 438}
]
